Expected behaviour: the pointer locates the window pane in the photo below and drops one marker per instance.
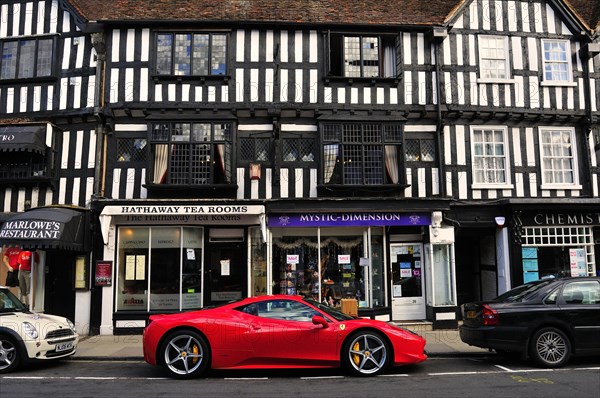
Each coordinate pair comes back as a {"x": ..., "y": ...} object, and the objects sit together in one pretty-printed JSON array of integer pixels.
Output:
[
  {"x": 413, "y": 151},
  {"x": 352, "y": 57},
  {"x": 428, "y": 150},
  {"x": 44, "y": 59},
  {"x": 183, "y": 45},
  {"x": 201, "y": 43},
  {"x": 370, "y": 47},
  {"x": 9, "y": 60},
  {"x": 164, "y": 46},
  {"x": 219, "y": 55},
  {"x": 26, "y": 58},
  {"x": 201, "y": 132}
]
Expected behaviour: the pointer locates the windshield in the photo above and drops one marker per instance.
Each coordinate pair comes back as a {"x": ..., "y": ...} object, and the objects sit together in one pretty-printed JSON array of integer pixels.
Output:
[
  {"x": 518, "y": 293},
  {"x": 9, "y": 302},
  {"x": 332, "y": 312}
]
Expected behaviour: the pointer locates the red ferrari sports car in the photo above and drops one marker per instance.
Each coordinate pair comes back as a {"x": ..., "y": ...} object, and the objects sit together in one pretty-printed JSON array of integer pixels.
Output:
[{"x": 276, "y": 332}]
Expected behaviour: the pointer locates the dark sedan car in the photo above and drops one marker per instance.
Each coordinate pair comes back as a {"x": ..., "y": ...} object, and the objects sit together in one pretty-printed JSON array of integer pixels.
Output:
[{"x": 547, "y": 320}]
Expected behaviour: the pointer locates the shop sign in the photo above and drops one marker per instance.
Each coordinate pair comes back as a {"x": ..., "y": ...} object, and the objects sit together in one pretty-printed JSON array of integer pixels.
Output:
[
  {"x": 349, "y": 219},
  {"x": 32, "y": 229},
  {"x": 103, "y": 273},
  {"x": 591, "y": 218}
]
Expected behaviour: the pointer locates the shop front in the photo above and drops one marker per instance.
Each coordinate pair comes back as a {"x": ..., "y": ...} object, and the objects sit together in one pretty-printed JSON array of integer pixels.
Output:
[
  {"x": 553, "y": 241},
  {"x": 380, "y": 261},
  {"x": 175, "y": 256},
  {"x": 57, "y": 239}
]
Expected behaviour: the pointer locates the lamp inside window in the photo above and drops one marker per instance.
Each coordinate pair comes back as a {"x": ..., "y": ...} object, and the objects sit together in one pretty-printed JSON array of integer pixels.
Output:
[{"x": 254, "y": 171}]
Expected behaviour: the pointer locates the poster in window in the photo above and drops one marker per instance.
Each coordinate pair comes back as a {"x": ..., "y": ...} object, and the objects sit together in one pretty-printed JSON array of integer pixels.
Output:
[
  {"x": 225, "y": 267},
  {"x": 140, "y": 267},
  {"x": 577, "y": 260},
  {"x": 80, "y": 273},
  {"x": 130, "y": 268},
  {"x": 191, "y": 254},
  {"x": 103, "y": 275}
]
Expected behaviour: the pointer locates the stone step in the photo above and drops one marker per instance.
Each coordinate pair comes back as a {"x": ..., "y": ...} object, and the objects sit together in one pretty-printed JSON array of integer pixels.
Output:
[{"x": 415, "y": 326}]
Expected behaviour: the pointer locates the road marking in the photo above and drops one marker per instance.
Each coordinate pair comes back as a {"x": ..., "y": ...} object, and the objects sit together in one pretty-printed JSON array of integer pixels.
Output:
[
  {"x": 395, "y": 375},
  {"x": 504, "y": 368},
  {"x": 321, "y": 377},
  {"x": 81, "y": 378},
  {"x": 245, "y": 378}
]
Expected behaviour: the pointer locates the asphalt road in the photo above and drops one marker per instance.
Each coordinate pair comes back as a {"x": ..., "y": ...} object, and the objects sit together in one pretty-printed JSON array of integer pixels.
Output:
[{"x": 490, "y": 376}]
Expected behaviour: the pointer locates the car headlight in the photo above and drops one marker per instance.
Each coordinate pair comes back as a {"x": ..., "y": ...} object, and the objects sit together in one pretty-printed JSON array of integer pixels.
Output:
[
  {"x": 30, "y": 330},
  {"x": 71, "y": 324}
]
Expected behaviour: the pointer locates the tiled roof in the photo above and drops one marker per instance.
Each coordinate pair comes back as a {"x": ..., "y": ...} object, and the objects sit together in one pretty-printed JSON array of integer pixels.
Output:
[
  {"x": 373, "y": 12},
  {"x": 588, "y": 11}
]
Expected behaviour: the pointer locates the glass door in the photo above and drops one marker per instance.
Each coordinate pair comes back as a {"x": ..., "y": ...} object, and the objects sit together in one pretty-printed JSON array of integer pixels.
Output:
[{"x": 408, "y": 299}]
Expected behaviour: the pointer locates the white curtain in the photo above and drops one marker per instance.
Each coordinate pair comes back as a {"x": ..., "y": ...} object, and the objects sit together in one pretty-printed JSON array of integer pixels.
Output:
[
  {"x": 389, "y": 61},
  {"x": 221, "y": 149},
  {"x": 391, "y": 162},
  {"x": 331, "y": 154},
  {"x": 161, "y": 157}
]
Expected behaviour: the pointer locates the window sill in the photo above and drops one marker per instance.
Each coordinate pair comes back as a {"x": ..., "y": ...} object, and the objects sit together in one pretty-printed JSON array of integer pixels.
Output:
[
  {"x": 496, "y": 81},
  {"x": 561, "y": 186},
  {"x": 558, "y": 84},
  {"x": 218, "y": 191},
  {"x": 41, "y": 79},
  {"x": 492, "y": 186}
]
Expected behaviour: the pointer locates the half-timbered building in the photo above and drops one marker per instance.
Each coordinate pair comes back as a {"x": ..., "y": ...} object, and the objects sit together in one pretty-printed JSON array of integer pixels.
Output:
[{"x": 393, "y": 158}]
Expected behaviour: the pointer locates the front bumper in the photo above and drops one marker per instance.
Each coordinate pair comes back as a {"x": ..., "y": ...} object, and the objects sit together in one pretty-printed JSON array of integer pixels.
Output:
[{"x": 43, "y": 349}]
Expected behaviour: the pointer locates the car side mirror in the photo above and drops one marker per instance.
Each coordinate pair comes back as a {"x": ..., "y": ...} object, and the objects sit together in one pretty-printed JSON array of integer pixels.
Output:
[{"x": 319, "y": 320}]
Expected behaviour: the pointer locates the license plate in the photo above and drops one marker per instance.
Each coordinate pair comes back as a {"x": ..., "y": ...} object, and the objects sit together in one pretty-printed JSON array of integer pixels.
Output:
[
  {"x": 64, "y": 346},
  {"x": 471, "y": 314}
]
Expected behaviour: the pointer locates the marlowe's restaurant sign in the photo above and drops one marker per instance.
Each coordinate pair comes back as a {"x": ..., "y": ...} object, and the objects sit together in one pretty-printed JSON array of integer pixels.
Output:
[
  {"x": 349, "y": 219},
  {"x": 31, "y": 229}
]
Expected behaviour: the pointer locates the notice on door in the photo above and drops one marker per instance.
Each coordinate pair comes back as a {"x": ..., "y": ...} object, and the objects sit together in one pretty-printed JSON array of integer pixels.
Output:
[
  {"x": 577, "y": 260},
  {"x": 225, "y": 267}
]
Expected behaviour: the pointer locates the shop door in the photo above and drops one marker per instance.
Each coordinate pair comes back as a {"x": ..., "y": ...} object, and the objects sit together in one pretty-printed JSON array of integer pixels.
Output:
[
  {"x": 227, "y": 272},
  {"x": 408, "y": 295},
  {"x": 59, "y": 289}
]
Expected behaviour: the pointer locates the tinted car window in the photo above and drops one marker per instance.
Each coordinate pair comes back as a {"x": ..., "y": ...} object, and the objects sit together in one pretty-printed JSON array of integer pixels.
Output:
[
  {"x": 587, "y": 292},
  {"x": 522, "y": 291},
  {"x": 281, "y": 309}
]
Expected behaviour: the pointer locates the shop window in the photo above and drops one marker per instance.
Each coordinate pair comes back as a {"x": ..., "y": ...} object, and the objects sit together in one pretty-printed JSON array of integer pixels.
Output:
[
  {"x": 330, "y": 269},
  {"x": 362, "y": 153},
  {"x": 26, "y": 58},
  {"x": 558, "y": 155},
  {"x": 159, "y": 268},
  {"x": 362, "y": 56},
  {"x": 191, "y": 153},
  {"x": 132, "y": 150},
  {"x": 191, "y": 54}
]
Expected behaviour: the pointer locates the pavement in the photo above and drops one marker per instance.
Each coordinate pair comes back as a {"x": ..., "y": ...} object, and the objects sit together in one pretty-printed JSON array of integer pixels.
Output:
[{"x": 440, "y": 343}]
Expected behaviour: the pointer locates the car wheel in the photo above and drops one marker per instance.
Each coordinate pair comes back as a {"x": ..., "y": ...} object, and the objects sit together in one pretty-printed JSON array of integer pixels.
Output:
[
  {"x": 9, "y": 354},
  {"x": 185, "y": 354},
  {"x": 550, "y": 347},
  {"x": 365, "y": 353}
]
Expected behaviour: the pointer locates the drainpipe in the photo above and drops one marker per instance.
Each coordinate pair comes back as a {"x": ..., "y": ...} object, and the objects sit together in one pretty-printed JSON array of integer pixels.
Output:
[
  {"x": 588, "y": 51},
  {"x": 100, "y": 160},
  {"x": 438, "y": 36}
]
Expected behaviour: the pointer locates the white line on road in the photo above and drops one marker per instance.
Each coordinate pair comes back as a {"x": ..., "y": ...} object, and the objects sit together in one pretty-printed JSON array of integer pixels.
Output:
[
  {"x": 504, "y": 368},
  {"x": 321, "y": 377},
  {"x": 245, "y": 378}
]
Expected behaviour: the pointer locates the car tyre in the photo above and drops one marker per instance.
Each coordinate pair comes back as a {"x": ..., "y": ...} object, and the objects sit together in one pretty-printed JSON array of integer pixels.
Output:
[
  {"x": 185, "y": 354},
  {"x": 550, "y": 347},
  {"x": 9, "y": 354},
  {"x": 366, "y": 353}
]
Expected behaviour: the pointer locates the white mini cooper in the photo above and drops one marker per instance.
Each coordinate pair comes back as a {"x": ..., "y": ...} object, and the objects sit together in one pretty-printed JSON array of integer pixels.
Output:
[{"x": 26, "y": 336}]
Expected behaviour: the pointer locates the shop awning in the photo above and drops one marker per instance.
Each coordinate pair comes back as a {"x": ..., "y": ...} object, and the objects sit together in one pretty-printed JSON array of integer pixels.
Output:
[
  {"x": 27, "y": 138},
  {"x": 47, "y": 228}
]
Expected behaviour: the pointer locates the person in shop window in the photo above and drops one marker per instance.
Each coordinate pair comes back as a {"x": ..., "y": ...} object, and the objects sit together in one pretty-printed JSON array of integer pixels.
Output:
[
  {"x": 10, "y": 257},
  {"x": 26, "y": 262}
]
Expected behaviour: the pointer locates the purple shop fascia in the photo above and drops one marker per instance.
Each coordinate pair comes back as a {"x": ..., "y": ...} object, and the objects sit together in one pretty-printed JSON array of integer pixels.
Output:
[{"x": 349, "y": 219}]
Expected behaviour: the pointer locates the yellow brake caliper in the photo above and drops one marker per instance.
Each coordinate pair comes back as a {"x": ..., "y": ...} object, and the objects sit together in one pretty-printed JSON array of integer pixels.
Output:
[
  {"x": 356, "y": 357},
  {"x": 195, "y": 350}
]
